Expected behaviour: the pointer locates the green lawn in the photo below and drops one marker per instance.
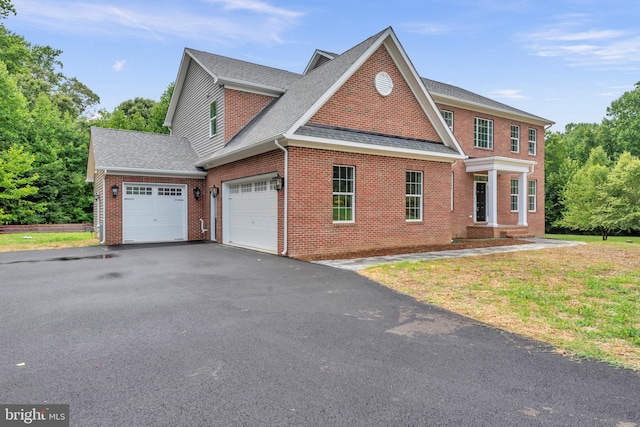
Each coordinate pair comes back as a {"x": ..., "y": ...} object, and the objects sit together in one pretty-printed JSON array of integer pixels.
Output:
[
  {"x": 580, "y": 238},
  {"x": 584, "y": 300},
  {"x": 35, "y": 241}
]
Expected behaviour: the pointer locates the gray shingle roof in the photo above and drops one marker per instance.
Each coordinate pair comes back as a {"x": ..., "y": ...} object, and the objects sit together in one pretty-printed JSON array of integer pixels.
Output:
[
  {"x": 299, "y": 98},
  {"x": 439, "y": 88},
  {"x": 373, "y": 138},
  {"x": 234, "y": 69},
  {"x": 124, "y": 149}
]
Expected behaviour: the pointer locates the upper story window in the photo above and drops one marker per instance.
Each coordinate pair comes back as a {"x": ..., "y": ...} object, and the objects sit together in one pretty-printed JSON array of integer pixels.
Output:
[
  {"x": 413, "y": 196},
  {"x": 448, "y": 118},
  {"x": 343, "y": 193},
  {"x": 533, "y": 136},
  {"x": 483, "y": 133},
  {"x": 515, "y": 138},
  {"x": 213, "y": 119}
]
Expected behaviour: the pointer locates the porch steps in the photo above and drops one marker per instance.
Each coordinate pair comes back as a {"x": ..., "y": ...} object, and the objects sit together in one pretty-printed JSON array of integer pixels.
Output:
[{"x": 516, "y": 233}]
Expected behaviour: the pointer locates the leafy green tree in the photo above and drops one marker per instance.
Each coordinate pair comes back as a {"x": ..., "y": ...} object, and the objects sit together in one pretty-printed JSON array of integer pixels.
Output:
[
  {"x": 623, "y": 122},
  {"x": 6, "y": 8},
  {"x": 584, "y": 198},
  {"x": 159, "y": 112},
  {"x": 621, "y": 211},
  {"x": 13, "y": 111},
  {"x": 16, "y": 179}
]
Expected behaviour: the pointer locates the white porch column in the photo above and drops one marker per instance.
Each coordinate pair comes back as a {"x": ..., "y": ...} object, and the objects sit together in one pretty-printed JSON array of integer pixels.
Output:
[
  {"x": 523, "y": 199},
  {"x": 492, "y": 199}
]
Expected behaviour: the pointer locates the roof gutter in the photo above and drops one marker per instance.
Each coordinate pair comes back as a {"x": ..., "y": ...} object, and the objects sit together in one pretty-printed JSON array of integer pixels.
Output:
[
  {"x": 286, "y": 198},
  {"x": 155, "y": 172}
]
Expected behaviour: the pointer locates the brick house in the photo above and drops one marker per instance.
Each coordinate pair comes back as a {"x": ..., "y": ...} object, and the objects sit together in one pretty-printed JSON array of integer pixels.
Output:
[{"x": 358, "y": 152}]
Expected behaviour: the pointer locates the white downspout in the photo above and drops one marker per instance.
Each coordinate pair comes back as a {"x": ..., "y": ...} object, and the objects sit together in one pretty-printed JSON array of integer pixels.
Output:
[{"x": 286, "y": 197}]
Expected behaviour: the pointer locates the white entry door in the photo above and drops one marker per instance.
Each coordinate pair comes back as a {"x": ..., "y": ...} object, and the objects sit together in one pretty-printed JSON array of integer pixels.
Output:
[
  {"x": 251, "y": 216},
  {"x": 154, "y": 213}
]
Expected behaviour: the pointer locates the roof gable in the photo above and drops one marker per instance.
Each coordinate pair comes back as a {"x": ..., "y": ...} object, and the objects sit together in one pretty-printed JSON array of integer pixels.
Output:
[
  {"x": 305, "y": 96},
  {"x": 232, "y": 73}
]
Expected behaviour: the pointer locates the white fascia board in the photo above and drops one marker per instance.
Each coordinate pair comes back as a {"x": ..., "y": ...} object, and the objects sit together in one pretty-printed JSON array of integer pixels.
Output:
[
  {"x": 243, "y": 86},
  {"x": 338, "y": 83},
  {"x": 481, "y": 108},
  {"x": 153, "y": 172},
  {"x": 378, "y": 150},
  {"x": 503, "y": 164},
  {"x": 424, "y": 98}
]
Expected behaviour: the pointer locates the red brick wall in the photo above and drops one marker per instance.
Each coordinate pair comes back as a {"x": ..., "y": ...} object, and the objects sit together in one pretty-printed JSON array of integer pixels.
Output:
[
  {"x": 240, "y": 108},
  {"x": 113, "y": 205},
  {"x": 271, "y": 162},
  {"x": 358, "y": 105},
  {"x": 379, "y": 203},
  {"x": 463, "y": 129}
]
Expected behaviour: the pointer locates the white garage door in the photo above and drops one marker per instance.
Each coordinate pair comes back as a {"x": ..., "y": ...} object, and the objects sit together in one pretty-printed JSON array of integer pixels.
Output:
[
  {"x": 154, "y": 213},
  {"x": 252, "y": 215}
]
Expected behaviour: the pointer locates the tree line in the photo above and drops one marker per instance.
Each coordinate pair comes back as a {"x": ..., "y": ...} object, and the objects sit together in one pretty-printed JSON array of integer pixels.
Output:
[
  {"x": 592, "y": 172},
  {"x": 45, "y": 118}
]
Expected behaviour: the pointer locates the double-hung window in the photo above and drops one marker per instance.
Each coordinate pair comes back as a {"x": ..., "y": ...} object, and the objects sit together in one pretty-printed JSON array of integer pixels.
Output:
[
  {"x": 515, "y": 138},
  {"x": 514, "y": 195},
  {"x": 532, "y": 195},
  {"x": 483, "y": 133},
  {"x": 213, "y": 119},
  {"x": 343, "y": 193},
  {"x": 413, "y": 196},
  {"x": 448, "y": 118},
  {"x": 532, "y": 141}
]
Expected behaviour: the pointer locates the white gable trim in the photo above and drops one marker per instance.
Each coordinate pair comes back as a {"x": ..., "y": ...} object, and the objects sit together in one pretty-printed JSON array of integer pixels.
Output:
[{"x": 390, "y": 41}]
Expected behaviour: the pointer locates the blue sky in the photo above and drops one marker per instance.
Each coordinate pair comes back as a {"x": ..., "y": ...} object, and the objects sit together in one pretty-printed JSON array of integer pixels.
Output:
[{"x": 564, "y": 60}]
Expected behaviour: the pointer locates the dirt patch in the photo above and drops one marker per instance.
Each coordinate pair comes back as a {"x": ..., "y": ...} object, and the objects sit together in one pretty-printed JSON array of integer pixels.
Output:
[{"x": 456, "y": 245}]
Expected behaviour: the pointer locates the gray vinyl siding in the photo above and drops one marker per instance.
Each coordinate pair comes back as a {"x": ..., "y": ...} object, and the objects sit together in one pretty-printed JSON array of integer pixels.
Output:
[
  {"x": 191, "y": 119},
  {"x": 98, "y": 207}
]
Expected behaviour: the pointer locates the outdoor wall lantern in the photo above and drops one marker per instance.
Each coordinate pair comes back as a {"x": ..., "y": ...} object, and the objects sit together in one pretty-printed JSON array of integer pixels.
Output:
[
  {"x": 114, "y": 190},
  {"x": 214, "y": 191},
  {"x": 196, "y": 193},
  {"x": 278, "y": 182}
]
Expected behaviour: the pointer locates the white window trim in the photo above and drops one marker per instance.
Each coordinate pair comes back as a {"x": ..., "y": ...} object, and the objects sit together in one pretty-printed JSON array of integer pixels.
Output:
[
  {"x": 213, "y": 119},
  {"x": 534, "y": 195},
  {"x": 445, "y": 118},
  {"x": 476, "y": 133},
  {"x": 515, "y": 139},
  {"x": 419, "y": 196},
  {"x": 533, "y": 142},
  {"x": 352, "y": 194},
  {"x": 515, "y": 197}
]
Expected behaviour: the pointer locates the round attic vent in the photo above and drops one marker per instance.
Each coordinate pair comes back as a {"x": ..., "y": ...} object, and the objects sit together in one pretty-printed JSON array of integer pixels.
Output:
[{"x": 383, "y": 83}]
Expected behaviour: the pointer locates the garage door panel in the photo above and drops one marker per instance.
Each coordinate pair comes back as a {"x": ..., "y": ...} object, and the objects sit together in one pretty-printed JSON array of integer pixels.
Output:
[
  {"x": 154, "y": 213},
  {"x": 253, "y": 215}
]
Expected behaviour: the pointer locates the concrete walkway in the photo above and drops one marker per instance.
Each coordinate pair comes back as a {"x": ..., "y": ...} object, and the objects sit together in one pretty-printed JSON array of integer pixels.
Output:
[{"x": 362, "y": 263}]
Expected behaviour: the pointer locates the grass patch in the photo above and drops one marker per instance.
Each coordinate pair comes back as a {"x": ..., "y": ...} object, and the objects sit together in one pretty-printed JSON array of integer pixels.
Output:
[
  {"x": 585, "y": 300},
  {"x": 594, "y": 239},
  {"x": 36, "y": 241}
]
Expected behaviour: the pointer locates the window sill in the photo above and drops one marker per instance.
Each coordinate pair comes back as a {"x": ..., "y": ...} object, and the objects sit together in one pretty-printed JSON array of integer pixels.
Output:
[{"x": 343, "y": 223}]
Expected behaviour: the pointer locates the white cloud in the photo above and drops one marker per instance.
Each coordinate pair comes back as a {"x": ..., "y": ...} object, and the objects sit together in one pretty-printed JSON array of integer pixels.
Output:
[
  {"x": 119, "y": 65},
  {"x": 427, "y": 28},
  {"x": 599, "y": 48},
  {"x": 507, "y": 93},
  {"x": 216, "y": 21}
]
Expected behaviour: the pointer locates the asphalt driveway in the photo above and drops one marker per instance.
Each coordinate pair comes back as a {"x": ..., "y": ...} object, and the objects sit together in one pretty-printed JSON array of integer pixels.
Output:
[{"x": 207, "y": 335}]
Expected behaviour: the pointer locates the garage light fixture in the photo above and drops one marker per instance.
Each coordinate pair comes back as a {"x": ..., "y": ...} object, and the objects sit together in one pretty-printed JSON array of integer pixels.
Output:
[
  {"x": 196, "y": 193},
  {"x": 214, "y": 191},
  {"x": 114, "y": 190},
  {"x": 278, "y": 182}
]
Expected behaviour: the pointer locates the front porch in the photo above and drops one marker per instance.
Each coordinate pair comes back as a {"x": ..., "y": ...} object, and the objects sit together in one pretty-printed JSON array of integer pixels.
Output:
[{"x": 497, "y": 232}]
